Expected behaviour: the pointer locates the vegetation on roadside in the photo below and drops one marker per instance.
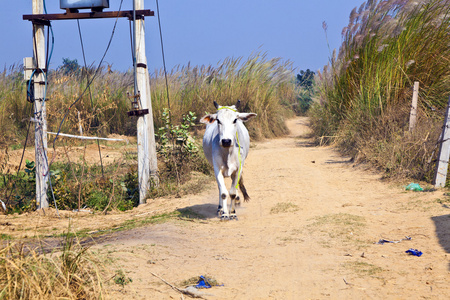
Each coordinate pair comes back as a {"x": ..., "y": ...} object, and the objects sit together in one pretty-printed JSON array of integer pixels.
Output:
[
  {"x": 364, "y": 93},
  {"x": 264, "y": 86},
  {"x": 71, "y": 272}
]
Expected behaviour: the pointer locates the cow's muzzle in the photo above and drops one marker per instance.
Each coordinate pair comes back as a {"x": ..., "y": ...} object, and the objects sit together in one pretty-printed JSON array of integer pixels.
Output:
[{"x": 226, "y": 143}]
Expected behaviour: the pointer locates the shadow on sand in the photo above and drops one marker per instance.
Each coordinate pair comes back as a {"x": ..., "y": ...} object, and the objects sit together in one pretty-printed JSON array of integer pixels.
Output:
[
  {"x": 199, "y": 211},
  {"x": 340, "y": 161},
  {"x": 442, "y": 225}
]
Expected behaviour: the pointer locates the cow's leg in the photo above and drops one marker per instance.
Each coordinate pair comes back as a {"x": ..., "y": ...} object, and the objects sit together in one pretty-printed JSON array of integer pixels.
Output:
[
  {"x": 234, "y": 195},
  {"x": 223, "y": 197}
]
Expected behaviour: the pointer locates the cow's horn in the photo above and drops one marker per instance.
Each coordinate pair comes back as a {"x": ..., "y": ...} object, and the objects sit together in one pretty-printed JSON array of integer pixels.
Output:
[
  {"x": 216, "y": 105},
  {"x": 238, "y": 103}
]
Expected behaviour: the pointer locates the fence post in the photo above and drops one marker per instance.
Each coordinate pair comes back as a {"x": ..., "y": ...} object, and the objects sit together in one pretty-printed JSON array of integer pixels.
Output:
[
  {"x": 413, "y": 114},
  {"x": 444, "y": 152}
]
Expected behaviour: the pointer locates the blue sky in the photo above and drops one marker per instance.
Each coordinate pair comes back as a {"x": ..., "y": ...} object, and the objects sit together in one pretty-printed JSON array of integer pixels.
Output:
[{"x": 197, "y": 31}]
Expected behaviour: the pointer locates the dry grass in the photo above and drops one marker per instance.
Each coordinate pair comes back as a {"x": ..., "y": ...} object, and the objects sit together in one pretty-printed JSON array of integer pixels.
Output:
[
  {"x": 284, "y": 207},
  {"x": 30, "y": 273},
  {"x": 264, "y": 86},
  {"x": 363, "y": 268},
  {"x": 364, "y": 94},
  {"x": 341, "y": 227}
]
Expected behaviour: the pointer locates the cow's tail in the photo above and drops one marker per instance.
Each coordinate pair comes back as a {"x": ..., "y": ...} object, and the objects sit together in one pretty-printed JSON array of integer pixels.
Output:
[{"x": 243, "y": 190}]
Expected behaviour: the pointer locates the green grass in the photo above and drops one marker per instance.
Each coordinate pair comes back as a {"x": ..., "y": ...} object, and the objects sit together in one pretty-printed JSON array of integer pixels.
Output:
[
  {"x": 4, "y": 236},
  {"x": 121, "y": 279}
]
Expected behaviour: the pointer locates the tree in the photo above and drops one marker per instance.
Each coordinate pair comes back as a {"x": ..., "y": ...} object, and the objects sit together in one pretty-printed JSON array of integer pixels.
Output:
[
  {"x": 305, "y": 80},
  {"x": 70, "y": 66}
]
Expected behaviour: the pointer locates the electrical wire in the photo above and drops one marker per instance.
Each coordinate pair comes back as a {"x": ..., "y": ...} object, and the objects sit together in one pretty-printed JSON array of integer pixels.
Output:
[
  {"x": 21, "y": 158},
  {"x": 133, "y": 56},
  {"x": 90, "y": 93},
  {"x": 134, "y": 51},
  {"x": 131, "y": 42},
  {"x": 48, "y": 58},
  {"x": 36, "y": 114},
  {"x": 167, "y": 88},
  {"x": 163, "y": 57},
  {"x": 44, "y": 72},
  {"x": 88, "y": 85}
]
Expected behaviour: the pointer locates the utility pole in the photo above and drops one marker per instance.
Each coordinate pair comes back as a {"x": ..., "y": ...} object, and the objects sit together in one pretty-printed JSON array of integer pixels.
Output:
[
  {"x": 147, "y": 163},
  {"x": 440, "y": 175},
  {"x": 40, "y": 110}
]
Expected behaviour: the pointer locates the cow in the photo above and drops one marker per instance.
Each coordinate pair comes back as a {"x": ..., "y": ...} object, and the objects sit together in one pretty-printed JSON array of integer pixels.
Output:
[{"x": 226, "y": 144}]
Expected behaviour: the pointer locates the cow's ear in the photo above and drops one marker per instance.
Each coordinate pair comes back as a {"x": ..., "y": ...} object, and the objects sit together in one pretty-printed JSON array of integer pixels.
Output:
[
  {"x": 246, "y": 116},
  {"x": 208, "y": 119}
]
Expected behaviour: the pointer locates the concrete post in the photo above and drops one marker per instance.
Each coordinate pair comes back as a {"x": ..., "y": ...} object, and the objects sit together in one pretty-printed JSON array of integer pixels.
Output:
[
  {"x": 40, "y": 110},
  {"x": 147, "y": 163}
]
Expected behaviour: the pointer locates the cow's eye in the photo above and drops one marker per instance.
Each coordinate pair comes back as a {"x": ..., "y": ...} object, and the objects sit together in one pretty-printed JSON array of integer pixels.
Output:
[{"x": 235, "y": 120}]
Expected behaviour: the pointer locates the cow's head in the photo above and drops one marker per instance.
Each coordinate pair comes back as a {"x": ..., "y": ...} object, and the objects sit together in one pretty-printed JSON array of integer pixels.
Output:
[{"x": 227, "y": 118}]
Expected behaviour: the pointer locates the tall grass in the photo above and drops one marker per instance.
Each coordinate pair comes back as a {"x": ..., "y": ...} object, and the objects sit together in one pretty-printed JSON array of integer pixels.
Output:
[
  {"x": 264, "y": 86},
  {"x": 13, "y": 105},
  {"x": 386, "y": 47},
  {"x": 30, "y": 273}
]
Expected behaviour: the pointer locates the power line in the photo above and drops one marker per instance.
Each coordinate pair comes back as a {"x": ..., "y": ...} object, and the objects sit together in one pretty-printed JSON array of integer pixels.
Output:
[
  {"x": 163, "y": 56},
  {"x": 89, "y": 83},
  {"x": 90, "y": 93}
]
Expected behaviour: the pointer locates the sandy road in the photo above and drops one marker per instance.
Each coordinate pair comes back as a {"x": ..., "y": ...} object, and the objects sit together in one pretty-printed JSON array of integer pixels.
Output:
[{"x": 308, "y": 232}]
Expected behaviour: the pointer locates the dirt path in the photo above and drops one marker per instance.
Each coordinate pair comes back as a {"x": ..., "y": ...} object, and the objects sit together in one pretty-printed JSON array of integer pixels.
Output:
[{"x": 308, "y": 232}]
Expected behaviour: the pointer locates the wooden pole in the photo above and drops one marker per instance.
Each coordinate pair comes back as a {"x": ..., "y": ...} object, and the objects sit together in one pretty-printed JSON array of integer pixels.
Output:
[
  {"x": 413, "y": 114},
  {"x": 40, "y": 110},
  {"x": 147, "y": 163},
  {"x": 444, "y": 152}
]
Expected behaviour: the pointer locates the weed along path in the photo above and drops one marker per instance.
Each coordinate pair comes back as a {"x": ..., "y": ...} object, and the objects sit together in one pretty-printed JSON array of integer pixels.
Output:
[{"x": 310, "y": 231}]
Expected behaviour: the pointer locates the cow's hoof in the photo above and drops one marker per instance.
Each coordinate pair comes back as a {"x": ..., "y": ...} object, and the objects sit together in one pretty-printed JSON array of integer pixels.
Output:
[
  {"x": 220, "y": 212},
  {"x": 233, "y": 217},
  {"x": 224, "y": 217}
]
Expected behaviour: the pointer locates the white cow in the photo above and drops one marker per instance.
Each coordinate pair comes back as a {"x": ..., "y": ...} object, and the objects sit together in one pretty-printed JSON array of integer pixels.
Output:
[{"x": 226, "y": 143}]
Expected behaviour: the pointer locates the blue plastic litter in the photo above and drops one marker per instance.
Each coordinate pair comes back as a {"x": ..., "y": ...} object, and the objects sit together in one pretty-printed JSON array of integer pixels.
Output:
[
  {"x": 414, "y": 187},
  {"x": 203, "y": 283},
  {"x": 414, "y": 252},
  {"x": 382, "y": 241}
]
